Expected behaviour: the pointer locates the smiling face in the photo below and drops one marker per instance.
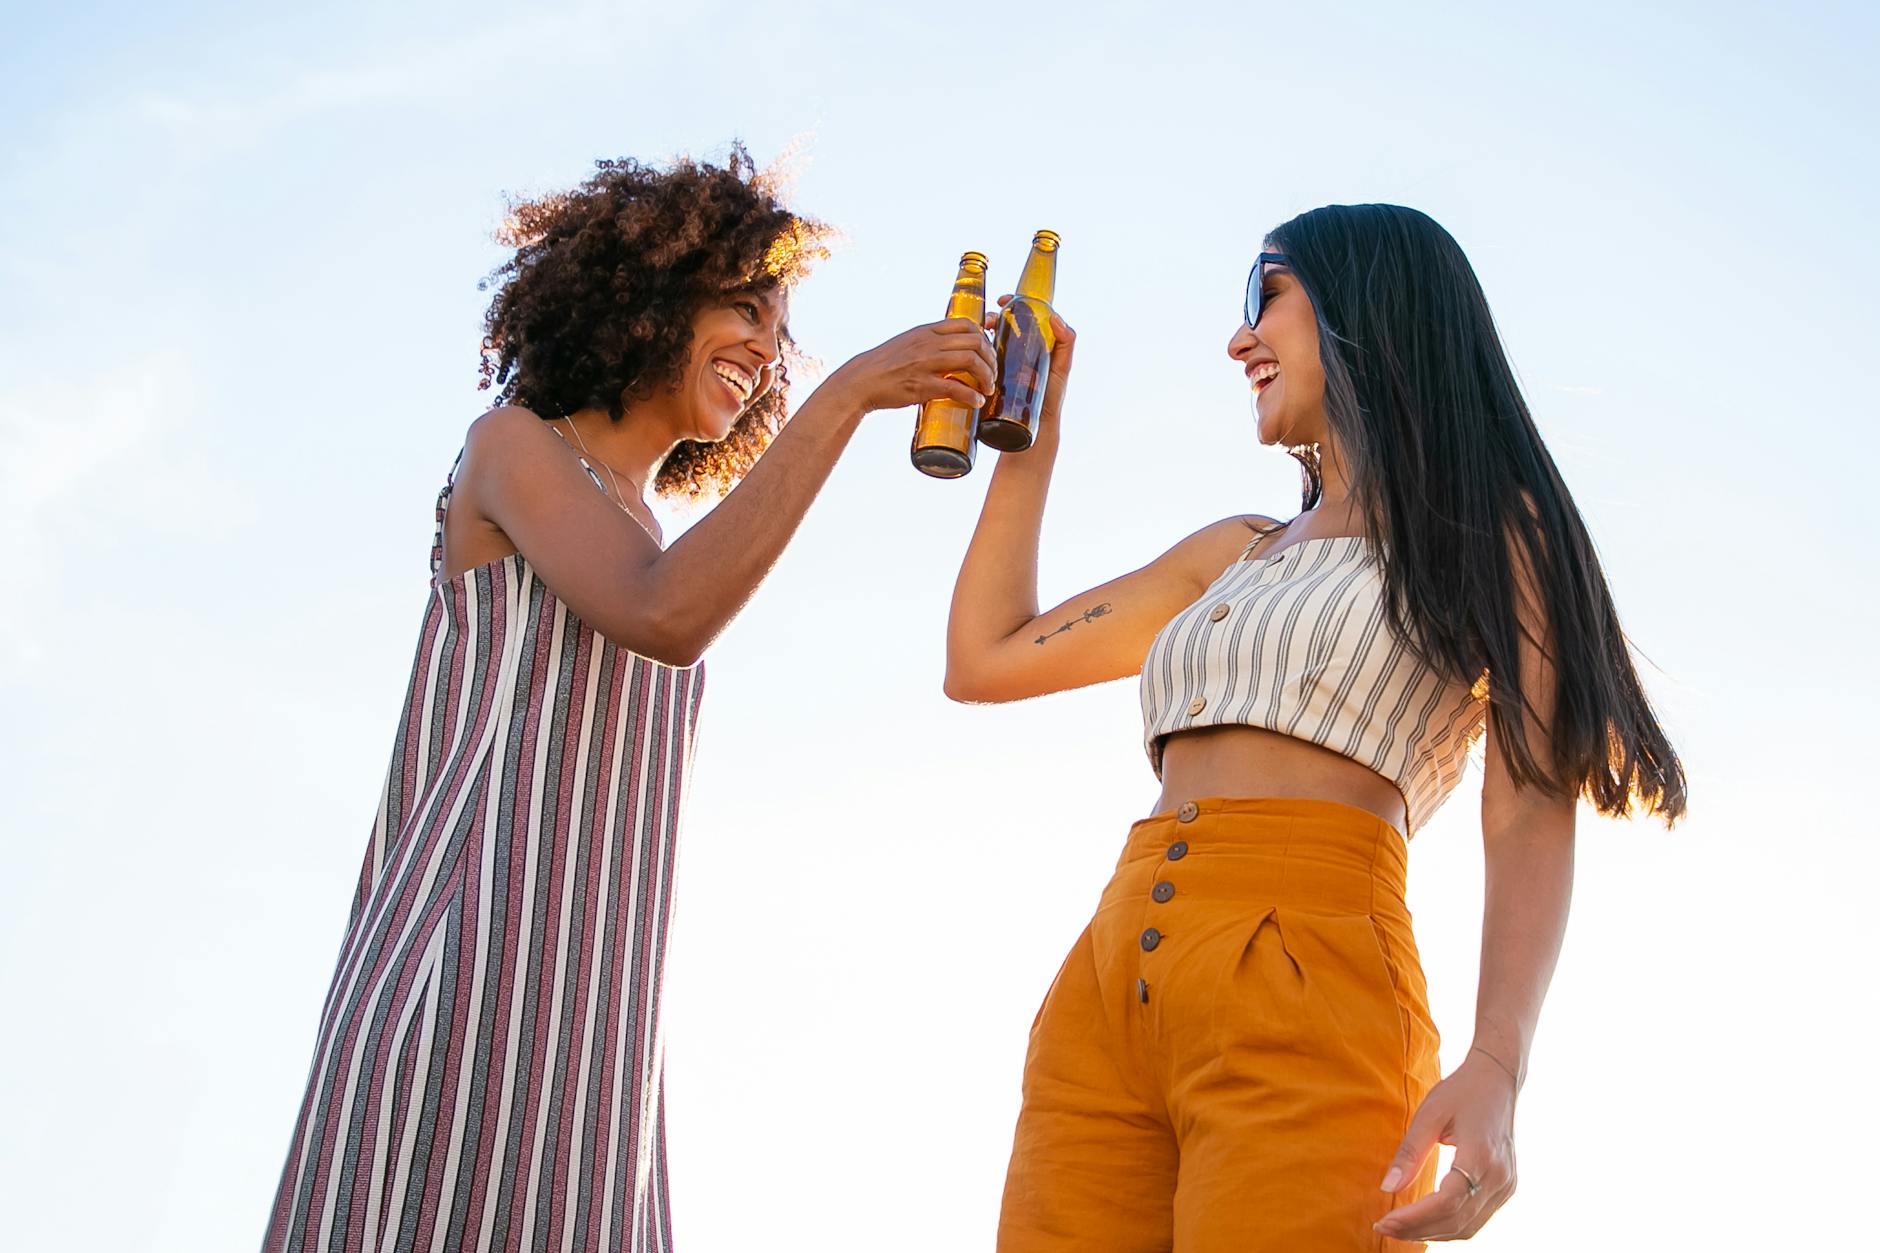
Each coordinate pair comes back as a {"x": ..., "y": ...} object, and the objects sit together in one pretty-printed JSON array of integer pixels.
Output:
[
  {"x": 736, "y": 351},
  {"x": 1280, "y": 357}
]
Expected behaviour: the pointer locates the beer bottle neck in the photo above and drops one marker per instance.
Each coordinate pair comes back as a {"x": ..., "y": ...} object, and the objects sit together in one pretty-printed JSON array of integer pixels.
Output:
[
  {"x": 969, "y": 293},
  {"x": 1039, "y": 279}
]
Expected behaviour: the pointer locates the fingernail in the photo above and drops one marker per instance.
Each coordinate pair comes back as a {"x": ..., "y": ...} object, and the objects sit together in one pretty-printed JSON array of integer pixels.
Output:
[
  {"x": 1391, "y": 1180},
  {"x": 978, "y": 399}
]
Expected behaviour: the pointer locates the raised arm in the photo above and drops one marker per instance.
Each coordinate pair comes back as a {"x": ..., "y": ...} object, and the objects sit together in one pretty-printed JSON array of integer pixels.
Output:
[
  {"x": 999, "y": 647},
  {"x": 670, "y": 605}
]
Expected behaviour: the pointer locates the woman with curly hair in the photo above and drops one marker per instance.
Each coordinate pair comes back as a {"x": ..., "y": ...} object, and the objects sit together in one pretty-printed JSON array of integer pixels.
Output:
[
  {"x": 1238, "y": 1054},
  {"x": 487, "y": 1069}
]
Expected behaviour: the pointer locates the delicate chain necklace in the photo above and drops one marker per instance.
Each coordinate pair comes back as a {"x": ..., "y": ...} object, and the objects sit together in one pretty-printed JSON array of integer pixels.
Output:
[{"x": 618, "y": 498}]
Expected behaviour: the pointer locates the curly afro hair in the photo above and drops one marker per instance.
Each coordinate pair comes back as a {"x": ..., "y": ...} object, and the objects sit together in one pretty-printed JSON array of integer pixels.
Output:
[{"x": 595, "y": 308}]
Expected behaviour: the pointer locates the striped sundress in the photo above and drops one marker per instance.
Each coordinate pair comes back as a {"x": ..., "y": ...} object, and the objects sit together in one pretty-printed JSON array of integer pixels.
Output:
[{"x": 487, "y": 1074}]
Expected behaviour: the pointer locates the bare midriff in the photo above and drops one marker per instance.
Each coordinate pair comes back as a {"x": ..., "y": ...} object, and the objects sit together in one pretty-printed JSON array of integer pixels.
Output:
[{"x": 1242, "y": 762}]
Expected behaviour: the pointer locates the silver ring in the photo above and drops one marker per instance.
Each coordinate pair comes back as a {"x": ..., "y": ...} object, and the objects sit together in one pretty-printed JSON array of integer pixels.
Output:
[{"x": 1467, "y": 1178}]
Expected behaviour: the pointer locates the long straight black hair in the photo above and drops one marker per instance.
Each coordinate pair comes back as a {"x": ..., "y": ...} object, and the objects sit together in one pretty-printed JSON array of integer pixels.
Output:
[{"x": 1455, "y": 486}]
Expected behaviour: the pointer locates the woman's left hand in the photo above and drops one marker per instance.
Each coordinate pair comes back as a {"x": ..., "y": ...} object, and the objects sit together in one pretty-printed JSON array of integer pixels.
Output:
[
  {"x": 1063, "y": 346},
  {"x": 1473, "y": 1110}
]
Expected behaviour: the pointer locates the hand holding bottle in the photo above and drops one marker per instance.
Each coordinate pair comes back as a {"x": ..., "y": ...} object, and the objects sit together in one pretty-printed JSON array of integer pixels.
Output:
[
  {"x": 946, "y": 435},
  {"x": 1064, "y": 343},
  {"x": 914, "y": 367},
  {"x": 1023, "y": 346}
]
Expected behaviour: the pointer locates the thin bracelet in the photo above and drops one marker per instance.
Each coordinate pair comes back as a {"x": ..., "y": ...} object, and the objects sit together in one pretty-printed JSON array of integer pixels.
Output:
[{"x": 1476, "y": 1048}]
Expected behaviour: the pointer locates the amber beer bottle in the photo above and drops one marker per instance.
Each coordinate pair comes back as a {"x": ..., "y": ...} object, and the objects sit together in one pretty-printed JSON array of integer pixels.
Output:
[
  {"x": 946, "y": 433},
  {"x": 1024, "y": 345}
]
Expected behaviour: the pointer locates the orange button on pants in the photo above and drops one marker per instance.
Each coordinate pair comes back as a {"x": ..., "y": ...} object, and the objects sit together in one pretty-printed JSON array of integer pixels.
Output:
[{"x": 1234, "y": 1047}]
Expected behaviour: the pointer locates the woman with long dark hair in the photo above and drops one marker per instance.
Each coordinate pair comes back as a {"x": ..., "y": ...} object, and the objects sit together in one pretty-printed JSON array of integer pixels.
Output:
[
  {"x": 1238, "y": 1054},
  {"x": 487, "y": 1073}
]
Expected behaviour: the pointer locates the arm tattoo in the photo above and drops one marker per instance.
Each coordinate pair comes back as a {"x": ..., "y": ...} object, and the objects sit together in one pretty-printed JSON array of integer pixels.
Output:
[{"x": 1089, "y": 615}]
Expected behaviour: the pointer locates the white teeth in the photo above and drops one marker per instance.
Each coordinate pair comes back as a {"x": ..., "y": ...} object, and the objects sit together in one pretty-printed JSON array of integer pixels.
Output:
[
  {"x": 1263, "y": 374},
  {"x": 739, "y": 380}
]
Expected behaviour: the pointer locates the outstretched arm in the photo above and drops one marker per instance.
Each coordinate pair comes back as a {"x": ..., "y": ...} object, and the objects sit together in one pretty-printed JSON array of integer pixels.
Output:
[{"x": 669, "y": 605}]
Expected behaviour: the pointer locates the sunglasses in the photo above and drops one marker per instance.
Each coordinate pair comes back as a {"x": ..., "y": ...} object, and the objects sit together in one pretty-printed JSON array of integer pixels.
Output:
[{"x": 1256, "y": 285}]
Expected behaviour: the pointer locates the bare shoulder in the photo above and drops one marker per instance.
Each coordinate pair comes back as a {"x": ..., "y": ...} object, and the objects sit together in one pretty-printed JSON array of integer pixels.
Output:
[
  {"x": 1202, "y": 556},
  {"x": 506, "y": 426},
  {"x": 510, "y": 443},
  {"x": 1254, "y": 526},
  {"x": 1232, "y": 537}
]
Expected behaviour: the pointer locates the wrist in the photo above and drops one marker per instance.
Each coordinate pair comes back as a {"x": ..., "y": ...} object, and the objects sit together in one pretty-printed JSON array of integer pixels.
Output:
[
  {"x": 1502, "y": 1034},
  {"x": 1045, "y": 435},
  {"x": 1513, "y": 1067},
  {"x": 1036, "y": 461},
  {"x": 833, "y": 402}
]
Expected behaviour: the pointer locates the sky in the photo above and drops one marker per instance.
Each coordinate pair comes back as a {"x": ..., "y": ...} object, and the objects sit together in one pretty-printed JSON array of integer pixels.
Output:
[{"x": 238, "y": 354}]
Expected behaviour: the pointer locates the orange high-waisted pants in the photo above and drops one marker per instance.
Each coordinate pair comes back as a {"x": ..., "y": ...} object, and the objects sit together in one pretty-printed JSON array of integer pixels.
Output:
[{"x": 1233, "y": 1049}]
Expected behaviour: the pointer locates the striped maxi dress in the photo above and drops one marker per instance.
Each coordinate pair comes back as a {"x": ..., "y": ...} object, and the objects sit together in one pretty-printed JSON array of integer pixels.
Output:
[{"x": 487, "y": 1074}]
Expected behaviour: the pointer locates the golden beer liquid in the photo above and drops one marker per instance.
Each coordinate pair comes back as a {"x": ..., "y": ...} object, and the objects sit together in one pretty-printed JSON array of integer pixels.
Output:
[
  {"x": 1024, "y": 345},
  {"x": 946, "y": 433}
]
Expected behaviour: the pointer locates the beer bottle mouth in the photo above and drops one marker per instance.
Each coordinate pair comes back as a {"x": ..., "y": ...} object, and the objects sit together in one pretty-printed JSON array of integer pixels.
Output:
[
  {"x": 973, "y": 258},
  {"x": 1045, "y": 239}
]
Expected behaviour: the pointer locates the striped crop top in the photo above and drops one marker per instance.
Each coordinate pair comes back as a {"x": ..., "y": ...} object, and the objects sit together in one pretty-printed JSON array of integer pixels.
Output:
[{"x": 1298, "y": 643}]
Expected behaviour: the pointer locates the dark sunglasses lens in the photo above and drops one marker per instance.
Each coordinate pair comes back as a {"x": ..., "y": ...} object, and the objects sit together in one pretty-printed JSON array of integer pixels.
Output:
[{"x": 1251, "y": 310}]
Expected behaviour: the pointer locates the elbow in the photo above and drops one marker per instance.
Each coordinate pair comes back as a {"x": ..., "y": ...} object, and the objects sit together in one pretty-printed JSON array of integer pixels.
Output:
[
  {"x": 675, "y": 653},
  {"x": 679, "y": 649},
  {"x": 975, "y": 686},
  {"x": 959, "y": 685},
  {"x": 659, "y": 639},
  {"x": 679, "y": 656}
]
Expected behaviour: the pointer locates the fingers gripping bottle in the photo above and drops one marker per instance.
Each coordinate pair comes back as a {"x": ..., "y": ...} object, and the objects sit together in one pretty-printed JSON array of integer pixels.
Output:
[
  {"x": 946, "y": 433},
  {"x": 1024, "y": 345}
]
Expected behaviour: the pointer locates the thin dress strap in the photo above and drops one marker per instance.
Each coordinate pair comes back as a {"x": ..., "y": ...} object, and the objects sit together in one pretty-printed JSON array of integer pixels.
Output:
[
  {"x": 450, "y": 481},
  {"x": 1257, "y": 540},
  {"x": 443, "y": 503}
]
